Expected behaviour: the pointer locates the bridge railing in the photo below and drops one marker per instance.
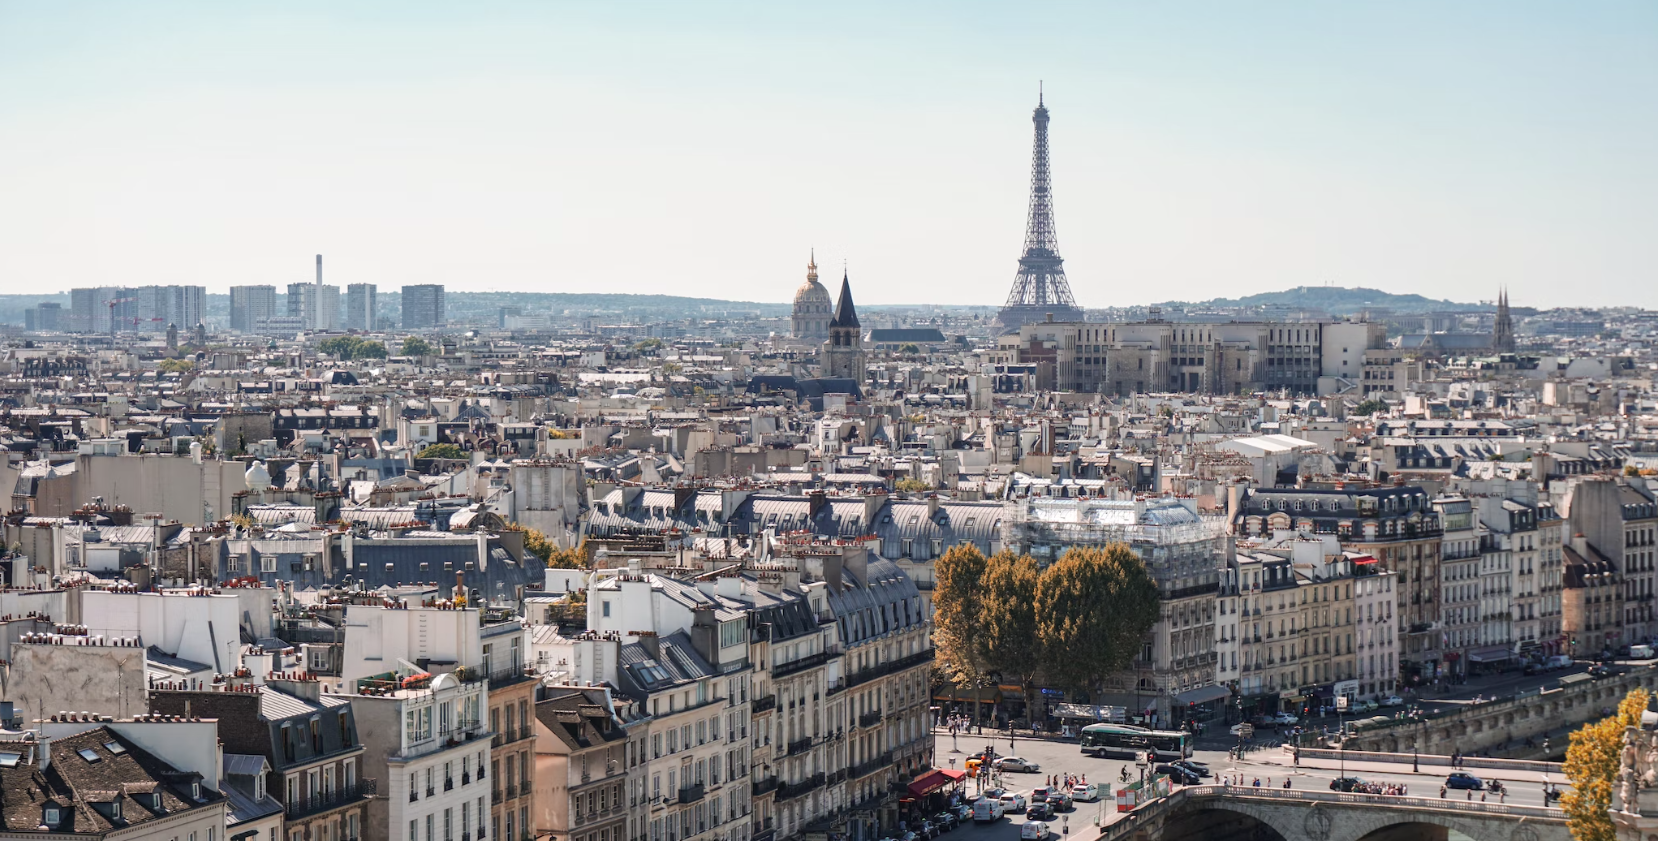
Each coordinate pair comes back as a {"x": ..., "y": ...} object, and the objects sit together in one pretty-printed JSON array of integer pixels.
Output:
[
  {"x": 1493, "y": 763},
  {"x": 1423, "y": 803}
]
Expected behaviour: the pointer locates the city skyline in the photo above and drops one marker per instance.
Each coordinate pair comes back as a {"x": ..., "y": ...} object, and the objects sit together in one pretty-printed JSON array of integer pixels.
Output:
[{"x": 1214, "y": 154}]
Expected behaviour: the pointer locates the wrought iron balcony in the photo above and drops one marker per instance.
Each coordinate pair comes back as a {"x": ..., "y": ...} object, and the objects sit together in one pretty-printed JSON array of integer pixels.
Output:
[{"x": 312, "y": 804}]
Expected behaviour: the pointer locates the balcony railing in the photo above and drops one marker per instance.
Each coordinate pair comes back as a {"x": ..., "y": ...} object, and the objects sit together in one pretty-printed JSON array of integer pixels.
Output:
[
  {"x": 800, "y": 746},
  {"x": 311, "y": 804},
  {"x": 864, "y": 769},
  {"x": 869, "y": 719},
  {"x": 765, "y": 786},
  {"x": 801, "y": 665},
  {"x": 786, "y": 791},
  {"x": 889, "y": 667},
  {"x": 692, "y": 793},
  {"x": 524, "y": 788},
  {"x": 760, "y": 705}
]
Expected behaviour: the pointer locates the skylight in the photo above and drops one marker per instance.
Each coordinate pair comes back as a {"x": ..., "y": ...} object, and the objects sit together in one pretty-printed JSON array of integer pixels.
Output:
[
  {"x": 115, "y": 748},
  {"x": 89, "y": 754},
  {"x": 9, "y": 760}
]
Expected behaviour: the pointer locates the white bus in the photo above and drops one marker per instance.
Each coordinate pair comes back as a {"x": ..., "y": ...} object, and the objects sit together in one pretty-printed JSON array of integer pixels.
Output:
[{"x": 1125, "y": 740}]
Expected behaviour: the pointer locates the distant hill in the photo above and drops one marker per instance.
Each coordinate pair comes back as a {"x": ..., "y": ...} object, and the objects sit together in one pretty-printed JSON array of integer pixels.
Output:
[{"x": 1338, "y": 300}]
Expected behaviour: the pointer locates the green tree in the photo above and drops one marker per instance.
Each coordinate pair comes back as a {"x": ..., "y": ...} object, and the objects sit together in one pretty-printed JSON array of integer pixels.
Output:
[
  {"x": 911, "y": 486},
  {"x": 352, "y": 347},
  {"x": 1631, "y": 470},
  {"x": 416, "y": 346},
  {"x": 957, "y": 615},
  {"x": 538, "y": 544},
  {"x": 441, "y": 451},
  {"x": 910, "y": 348},
  {"x": 1592, "y": 766},
  {"x": 175, "y": 366},
  {"x": 1007, "y": 641},
  {"x": 1368, "y": 407},
  {"x": 647, "y": 345},
  {"x": 1093, "y": 608}
]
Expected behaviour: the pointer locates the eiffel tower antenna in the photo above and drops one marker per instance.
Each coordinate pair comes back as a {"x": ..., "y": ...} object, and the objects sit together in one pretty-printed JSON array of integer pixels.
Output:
[{"x": 1040, "y": 289}]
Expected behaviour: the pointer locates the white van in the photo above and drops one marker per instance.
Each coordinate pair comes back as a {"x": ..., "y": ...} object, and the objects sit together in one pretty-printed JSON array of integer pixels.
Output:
[
  {"x": 1558, "y": 661},
  {"x": 986, "y": 810},
  {"x": 1640, "y": 652}
]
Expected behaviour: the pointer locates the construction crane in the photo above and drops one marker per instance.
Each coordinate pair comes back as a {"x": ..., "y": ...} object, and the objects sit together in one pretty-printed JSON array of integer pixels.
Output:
[{"x": 111, "y": 304}]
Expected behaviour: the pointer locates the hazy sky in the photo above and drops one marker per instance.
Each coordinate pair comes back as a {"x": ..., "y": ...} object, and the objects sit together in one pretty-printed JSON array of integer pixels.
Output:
[{"x": 1199, "y": 149}]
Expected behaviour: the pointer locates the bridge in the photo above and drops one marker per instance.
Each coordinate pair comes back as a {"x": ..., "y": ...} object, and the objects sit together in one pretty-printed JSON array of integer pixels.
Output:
[{"x": 1238, "y": 813}]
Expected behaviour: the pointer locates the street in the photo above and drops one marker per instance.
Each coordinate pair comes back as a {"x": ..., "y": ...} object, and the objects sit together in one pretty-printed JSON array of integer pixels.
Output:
[{"x": 1270, "y": 765}]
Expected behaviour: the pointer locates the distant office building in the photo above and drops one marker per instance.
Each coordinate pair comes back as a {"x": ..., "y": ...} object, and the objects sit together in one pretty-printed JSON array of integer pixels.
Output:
[
  {"x": 142, "y": 309},
  {"x": 250, "y": 306},
  {"x": 423, "y": 307},
  {"x": 360, "y": 303},
  {"x": 44, "y": 318},
  {"x": 316, "y": 305}
]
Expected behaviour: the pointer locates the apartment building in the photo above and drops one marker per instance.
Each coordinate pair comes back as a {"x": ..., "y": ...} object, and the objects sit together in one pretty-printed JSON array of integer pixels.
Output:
[
  {"x": 681, "y": 653},
  {"x": 307, "y": 743},
  {"x": 1375, "y": 629},
  {"x": 361, "y": 306},
  {"x": 425, "y": 737},
  {"x": 583, "y": 758},
  {"x": 251, "y": 306},
  {"x": 1459, "y": 562},
  {"x": 1619, "y": 520},
  {"x": 423, "y": 307},
  {"x": 1397, "y": 525}
]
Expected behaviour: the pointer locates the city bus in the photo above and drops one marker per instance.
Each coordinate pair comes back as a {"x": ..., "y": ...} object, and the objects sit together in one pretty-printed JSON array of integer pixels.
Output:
[{"x": 1128, "y": 741}]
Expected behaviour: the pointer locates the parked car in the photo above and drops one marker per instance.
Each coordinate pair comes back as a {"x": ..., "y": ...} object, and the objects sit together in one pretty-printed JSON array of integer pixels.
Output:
[
  {"x": 1460, "y": 780},
  {"x": 929, "y": 830},
  {"x": 1016, "y": 763},
  {"x": 1040, "y": 793},
  {"x": 1346, "y": 783},
  {"x": 947, "y": 820},
  {"x": 1039, "y": 810},
  {"x": 1179, "y": 775},
  {"x": 1393, "y": 701},
  {"x": 1193, "y": 766},
  {"x": 1013, "y": 803},
  {"x": 1368, "y": 705},
  {"x": 964, "y": 813},
  {"x": 1237, "y": 729},
  {"x": 1033, "y": 831},
  {"x": 1086, "y": 792},
  {"x": 910, "y": 835},
  {"x": 1286, "y": 718}
]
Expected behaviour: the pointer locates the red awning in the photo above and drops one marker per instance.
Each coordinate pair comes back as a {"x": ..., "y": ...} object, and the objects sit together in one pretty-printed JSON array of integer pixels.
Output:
[
  {"x": 929, "y": 782},
  {"x": 953, "y": 774}
]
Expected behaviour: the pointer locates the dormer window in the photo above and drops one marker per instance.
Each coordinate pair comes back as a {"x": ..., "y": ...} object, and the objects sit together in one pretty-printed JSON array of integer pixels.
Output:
[
  {"x": 195, "y": 792},
  {"x": 51, "y": 816}
]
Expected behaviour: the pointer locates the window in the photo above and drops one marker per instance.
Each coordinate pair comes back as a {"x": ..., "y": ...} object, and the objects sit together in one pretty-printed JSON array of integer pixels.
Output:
[
  {"x": 88, "y": 754},
  {"x": 604, "y": 607},
  {"x": 52, "y": 816}
]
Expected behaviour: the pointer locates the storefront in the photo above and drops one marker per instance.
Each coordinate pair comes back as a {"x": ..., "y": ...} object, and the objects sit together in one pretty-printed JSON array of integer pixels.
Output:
[
  {"x": 1205, "y": 703},
  {"x": 931, "y": 792},
  {"x": 1492, "y": 658},
  {"x": 978, "y": 705}
]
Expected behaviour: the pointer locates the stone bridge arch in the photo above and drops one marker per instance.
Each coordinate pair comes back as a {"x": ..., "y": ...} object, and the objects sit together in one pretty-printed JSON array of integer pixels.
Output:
[{"x": 1264, "y": 818}]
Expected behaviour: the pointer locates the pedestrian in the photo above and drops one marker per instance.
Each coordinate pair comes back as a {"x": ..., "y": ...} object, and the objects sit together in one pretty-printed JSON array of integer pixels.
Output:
[
  {"x": 1441, "y": 792},
  {"x": 1482, "y": 797},
  {"x": 1470, "y": 794}
]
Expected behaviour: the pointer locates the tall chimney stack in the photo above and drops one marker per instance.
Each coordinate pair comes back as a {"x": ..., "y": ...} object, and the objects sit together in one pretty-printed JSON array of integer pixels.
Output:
[{"x": 319, "y": 269}]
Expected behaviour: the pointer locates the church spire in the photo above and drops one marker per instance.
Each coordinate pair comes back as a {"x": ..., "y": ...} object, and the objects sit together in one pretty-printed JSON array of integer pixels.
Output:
[
  {"x": 846, "y": 315},
  {"x": 811, "y": 267}
]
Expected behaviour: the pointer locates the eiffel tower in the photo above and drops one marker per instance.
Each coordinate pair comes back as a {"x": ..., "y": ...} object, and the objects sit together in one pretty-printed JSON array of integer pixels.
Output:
[{"x": 1040, "y": 288}]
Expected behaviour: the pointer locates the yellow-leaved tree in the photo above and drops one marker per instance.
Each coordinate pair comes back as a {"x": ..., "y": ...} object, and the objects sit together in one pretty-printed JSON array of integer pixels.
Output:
[{"x": 1592, "y": 766}]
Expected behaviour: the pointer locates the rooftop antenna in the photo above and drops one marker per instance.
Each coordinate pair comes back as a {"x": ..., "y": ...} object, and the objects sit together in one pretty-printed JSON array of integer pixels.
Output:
[{"x": 1039, "y": 93}]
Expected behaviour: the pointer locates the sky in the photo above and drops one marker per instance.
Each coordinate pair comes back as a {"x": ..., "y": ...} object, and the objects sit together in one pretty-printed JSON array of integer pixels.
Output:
[{"x": 1200, "y": 149}]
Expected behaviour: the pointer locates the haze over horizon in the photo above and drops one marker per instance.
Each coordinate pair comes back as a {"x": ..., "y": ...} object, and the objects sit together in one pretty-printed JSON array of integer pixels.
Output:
[{"x": 1200, "y": 152}]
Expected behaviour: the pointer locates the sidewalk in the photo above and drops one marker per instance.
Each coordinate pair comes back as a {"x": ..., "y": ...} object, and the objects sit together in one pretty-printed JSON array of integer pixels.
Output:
[{"x": 1357, "y": 767}]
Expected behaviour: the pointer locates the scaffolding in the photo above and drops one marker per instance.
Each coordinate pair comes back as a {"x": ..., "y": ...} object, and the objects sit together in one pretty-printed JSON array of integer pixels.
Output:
[{"x": 1171, "y": 538}]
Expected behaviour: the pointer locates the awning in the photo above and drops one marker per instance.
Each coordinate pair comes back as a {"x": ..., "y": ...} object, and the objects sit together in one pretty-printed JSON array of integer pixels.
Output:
[
  {"x": 985, "y": 694},
  {"x": 1087, "y": 712},
  {"x": 1203, "y": 694},
  {"x": 953, "y": 774},
  {"x": 929, "y": 782},
  {"x": 1490, "y": 654}
]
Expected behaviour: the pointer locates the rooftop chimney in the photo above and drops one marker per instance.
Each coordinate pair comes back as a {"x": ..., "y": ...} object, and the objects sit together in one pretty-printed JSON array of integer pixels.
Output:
[{"x": 319, "y": 269}]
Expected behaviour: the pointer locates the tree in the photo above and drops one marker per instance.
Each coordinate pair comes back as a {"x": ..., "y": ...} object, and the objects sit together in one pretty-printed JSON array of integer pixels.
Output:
[
  {"x": 1093, "y": 609},
  {"x": 441, "y": 451},
  {"x": 416, "y": 346},
  {"x": 909, "y": 348},
  {"x": 1008, "y": 643},
  {"x": 1592, "y": 765},
  {"x": 908, "y": 485},
  {"x": 538, "y": 544},
  {"x": 175, "y": 366},
  {"x": 352, "y": 347},
  {"x": 1368, "y": 407},
  {"x": 957, "y": 575},
  {"x": 1631, "y": 470}
]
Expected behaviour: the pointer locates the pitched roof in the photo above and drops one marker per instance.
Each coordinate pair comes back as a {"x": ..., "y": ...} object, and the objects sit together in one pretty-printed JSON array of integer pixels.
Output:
[{"x": 846, "y": 315}]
